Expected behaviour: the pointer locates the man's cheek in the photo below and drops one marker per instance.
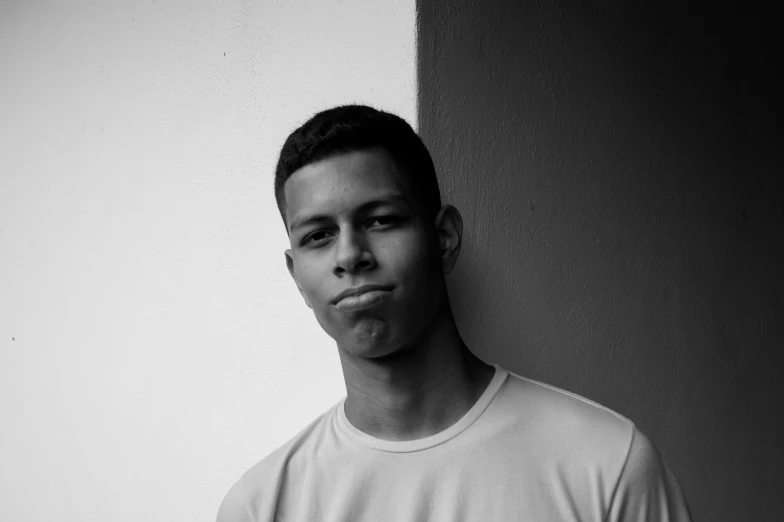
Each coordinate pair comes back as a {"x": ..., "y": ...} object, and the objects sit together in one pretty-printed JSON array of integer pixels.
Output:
[{"x": 312, "y": 297}]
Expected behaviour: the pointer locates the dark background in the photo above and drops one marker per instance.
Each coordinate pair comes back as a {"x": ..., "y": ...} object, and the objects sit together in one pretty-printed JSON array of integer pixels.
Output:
[{"x": 619, "y": 168}]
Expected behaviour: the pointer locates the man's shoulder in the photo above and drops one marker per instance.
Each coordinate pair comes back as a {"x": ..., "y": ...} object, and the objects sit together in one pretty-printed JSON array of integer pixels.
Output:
[
  {"x": 586, "y": 442},
  {"x": 302, "y": 443},
  {"x": 258, "y": 487},
  {"x": 563, "y": 420},
  {"x": 558, "y": 403}
]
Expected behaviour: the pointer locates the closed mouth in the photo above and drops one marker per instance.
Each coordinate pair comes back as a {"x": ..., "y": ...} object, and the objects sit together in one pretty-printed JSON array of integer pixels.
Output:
[
  {"x": 358, "y": 291},
  {"x": 362, "y": 301}
]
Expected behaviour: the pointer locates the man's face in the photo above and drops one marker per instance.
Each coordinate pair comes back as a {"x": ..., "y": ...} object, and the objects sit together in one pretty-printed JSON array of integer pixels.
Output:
[{"x": 353, "y": 222}]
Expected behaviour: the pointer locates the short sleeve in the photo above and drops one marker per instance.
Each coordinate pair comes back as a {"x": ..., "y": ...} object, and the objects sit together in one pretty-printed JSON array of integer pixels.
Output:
[
  {"x": 647, "y": 490},
  {"x": 234, "y": 507}
]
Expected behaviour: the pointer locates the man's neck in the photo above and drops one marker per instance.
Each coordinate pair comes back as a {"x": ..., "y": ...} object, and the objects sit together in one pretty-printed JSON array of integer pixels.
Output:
[{"x": 417, "y": 393}]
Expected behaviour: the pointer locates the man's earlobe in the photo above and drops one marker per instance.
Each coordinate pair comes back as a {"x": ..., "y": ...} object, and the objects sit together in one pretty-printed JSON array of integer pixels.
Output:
[{"x": 293, "y": 273}]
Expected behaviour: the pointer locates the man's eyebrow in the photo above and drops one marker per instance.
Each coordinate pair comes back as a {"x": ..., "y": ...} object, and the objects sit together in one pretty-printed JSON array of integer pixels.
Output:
[{"x": 318, "y": 219}]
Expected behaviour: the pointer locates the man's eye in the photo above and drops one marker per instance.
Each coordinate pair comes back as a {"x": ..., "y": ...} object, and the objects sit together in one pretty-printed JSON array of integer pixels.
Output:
[
  {"x": 315, "y": 237},
  {"x": 383, "y": 220}
]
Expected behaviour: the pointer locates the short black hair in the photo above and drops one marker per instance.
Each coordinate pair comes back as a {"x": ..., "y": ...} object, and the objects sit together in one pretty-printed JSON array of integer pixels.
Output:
[{"x": 349, "y": 128}]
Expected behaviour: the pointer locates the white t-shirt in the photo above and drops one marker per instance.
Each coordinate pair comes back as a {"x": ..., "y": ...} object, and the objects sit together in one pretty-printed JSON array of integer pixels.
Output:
[{"x": 525, "y": 451}]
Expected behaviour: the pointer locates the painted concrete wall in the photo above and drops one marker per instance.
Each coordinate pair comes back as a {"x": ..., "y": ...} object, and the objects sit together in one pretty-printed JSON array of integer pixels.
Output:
[
  {"x": 152, "y": 345},
  {"x": 619, "y": 166}
]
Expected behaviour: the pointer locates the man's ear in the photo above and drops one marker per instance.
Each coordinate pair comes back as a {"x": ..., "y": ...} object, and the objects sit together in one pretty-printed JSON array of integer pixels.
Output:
[
  {"x": 292, "y": 271},
  {"x": 449, "y": 232}
]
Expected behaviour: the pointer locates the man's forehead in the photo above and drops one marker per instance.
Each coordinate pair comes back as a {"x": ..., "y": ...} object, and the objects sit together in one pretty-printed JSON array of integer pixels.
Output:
[{"x": 344, "y": 182}]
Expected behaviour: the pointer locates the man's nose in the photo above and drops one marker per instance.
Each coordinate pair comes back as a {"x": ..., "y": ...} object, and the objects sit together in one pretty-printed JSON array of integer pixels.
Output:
[{"x": 352, "y": 254}]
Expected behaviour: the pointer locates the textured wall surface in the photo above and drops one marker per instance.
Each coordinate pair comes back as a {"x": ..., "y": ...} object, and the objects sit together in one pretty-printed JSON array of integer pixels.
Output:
[
  {"x": 152, "y": 343},
  {"x": 619, "y": 167}
]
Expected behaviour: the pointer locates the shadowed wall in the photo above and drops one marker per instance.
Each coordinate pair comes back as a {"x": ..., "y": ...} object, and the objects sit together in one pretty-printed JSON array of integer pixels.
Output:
[{"x": 619, "y": 169}]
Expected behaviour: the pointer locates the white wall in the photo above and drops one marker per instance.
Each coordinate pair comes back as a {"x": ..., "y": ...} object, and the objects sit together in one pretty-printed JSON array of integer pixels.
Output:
[{"x": 152, "y": 345}]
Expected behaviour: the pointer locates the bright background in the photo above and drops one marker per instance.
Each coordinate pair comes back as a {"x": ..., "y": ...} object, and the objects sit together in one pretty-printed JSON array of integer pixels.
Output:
[{"x": 152, "y": 344}]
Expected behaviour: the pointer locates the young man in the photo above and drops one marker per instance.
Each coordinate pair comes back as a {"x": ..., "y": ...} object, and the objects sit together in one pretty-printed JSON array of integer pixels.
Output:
[{"x": 427, "y": 431}]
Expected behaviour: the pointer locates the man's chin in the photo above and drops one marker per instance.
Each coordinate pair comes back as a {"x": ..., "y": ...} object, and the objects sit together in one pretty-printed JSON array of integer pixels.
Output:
[
  {"x": 368, "y": 342},
  {"x": 380, "y": 351},
  {"x": 366, "y": 348}
]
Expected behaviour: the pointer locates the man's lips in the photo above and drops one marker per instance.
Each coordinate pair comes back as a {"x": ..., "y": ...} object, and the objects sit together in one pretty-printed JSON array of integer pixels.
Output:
[{"x": 361, "y": 297}]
